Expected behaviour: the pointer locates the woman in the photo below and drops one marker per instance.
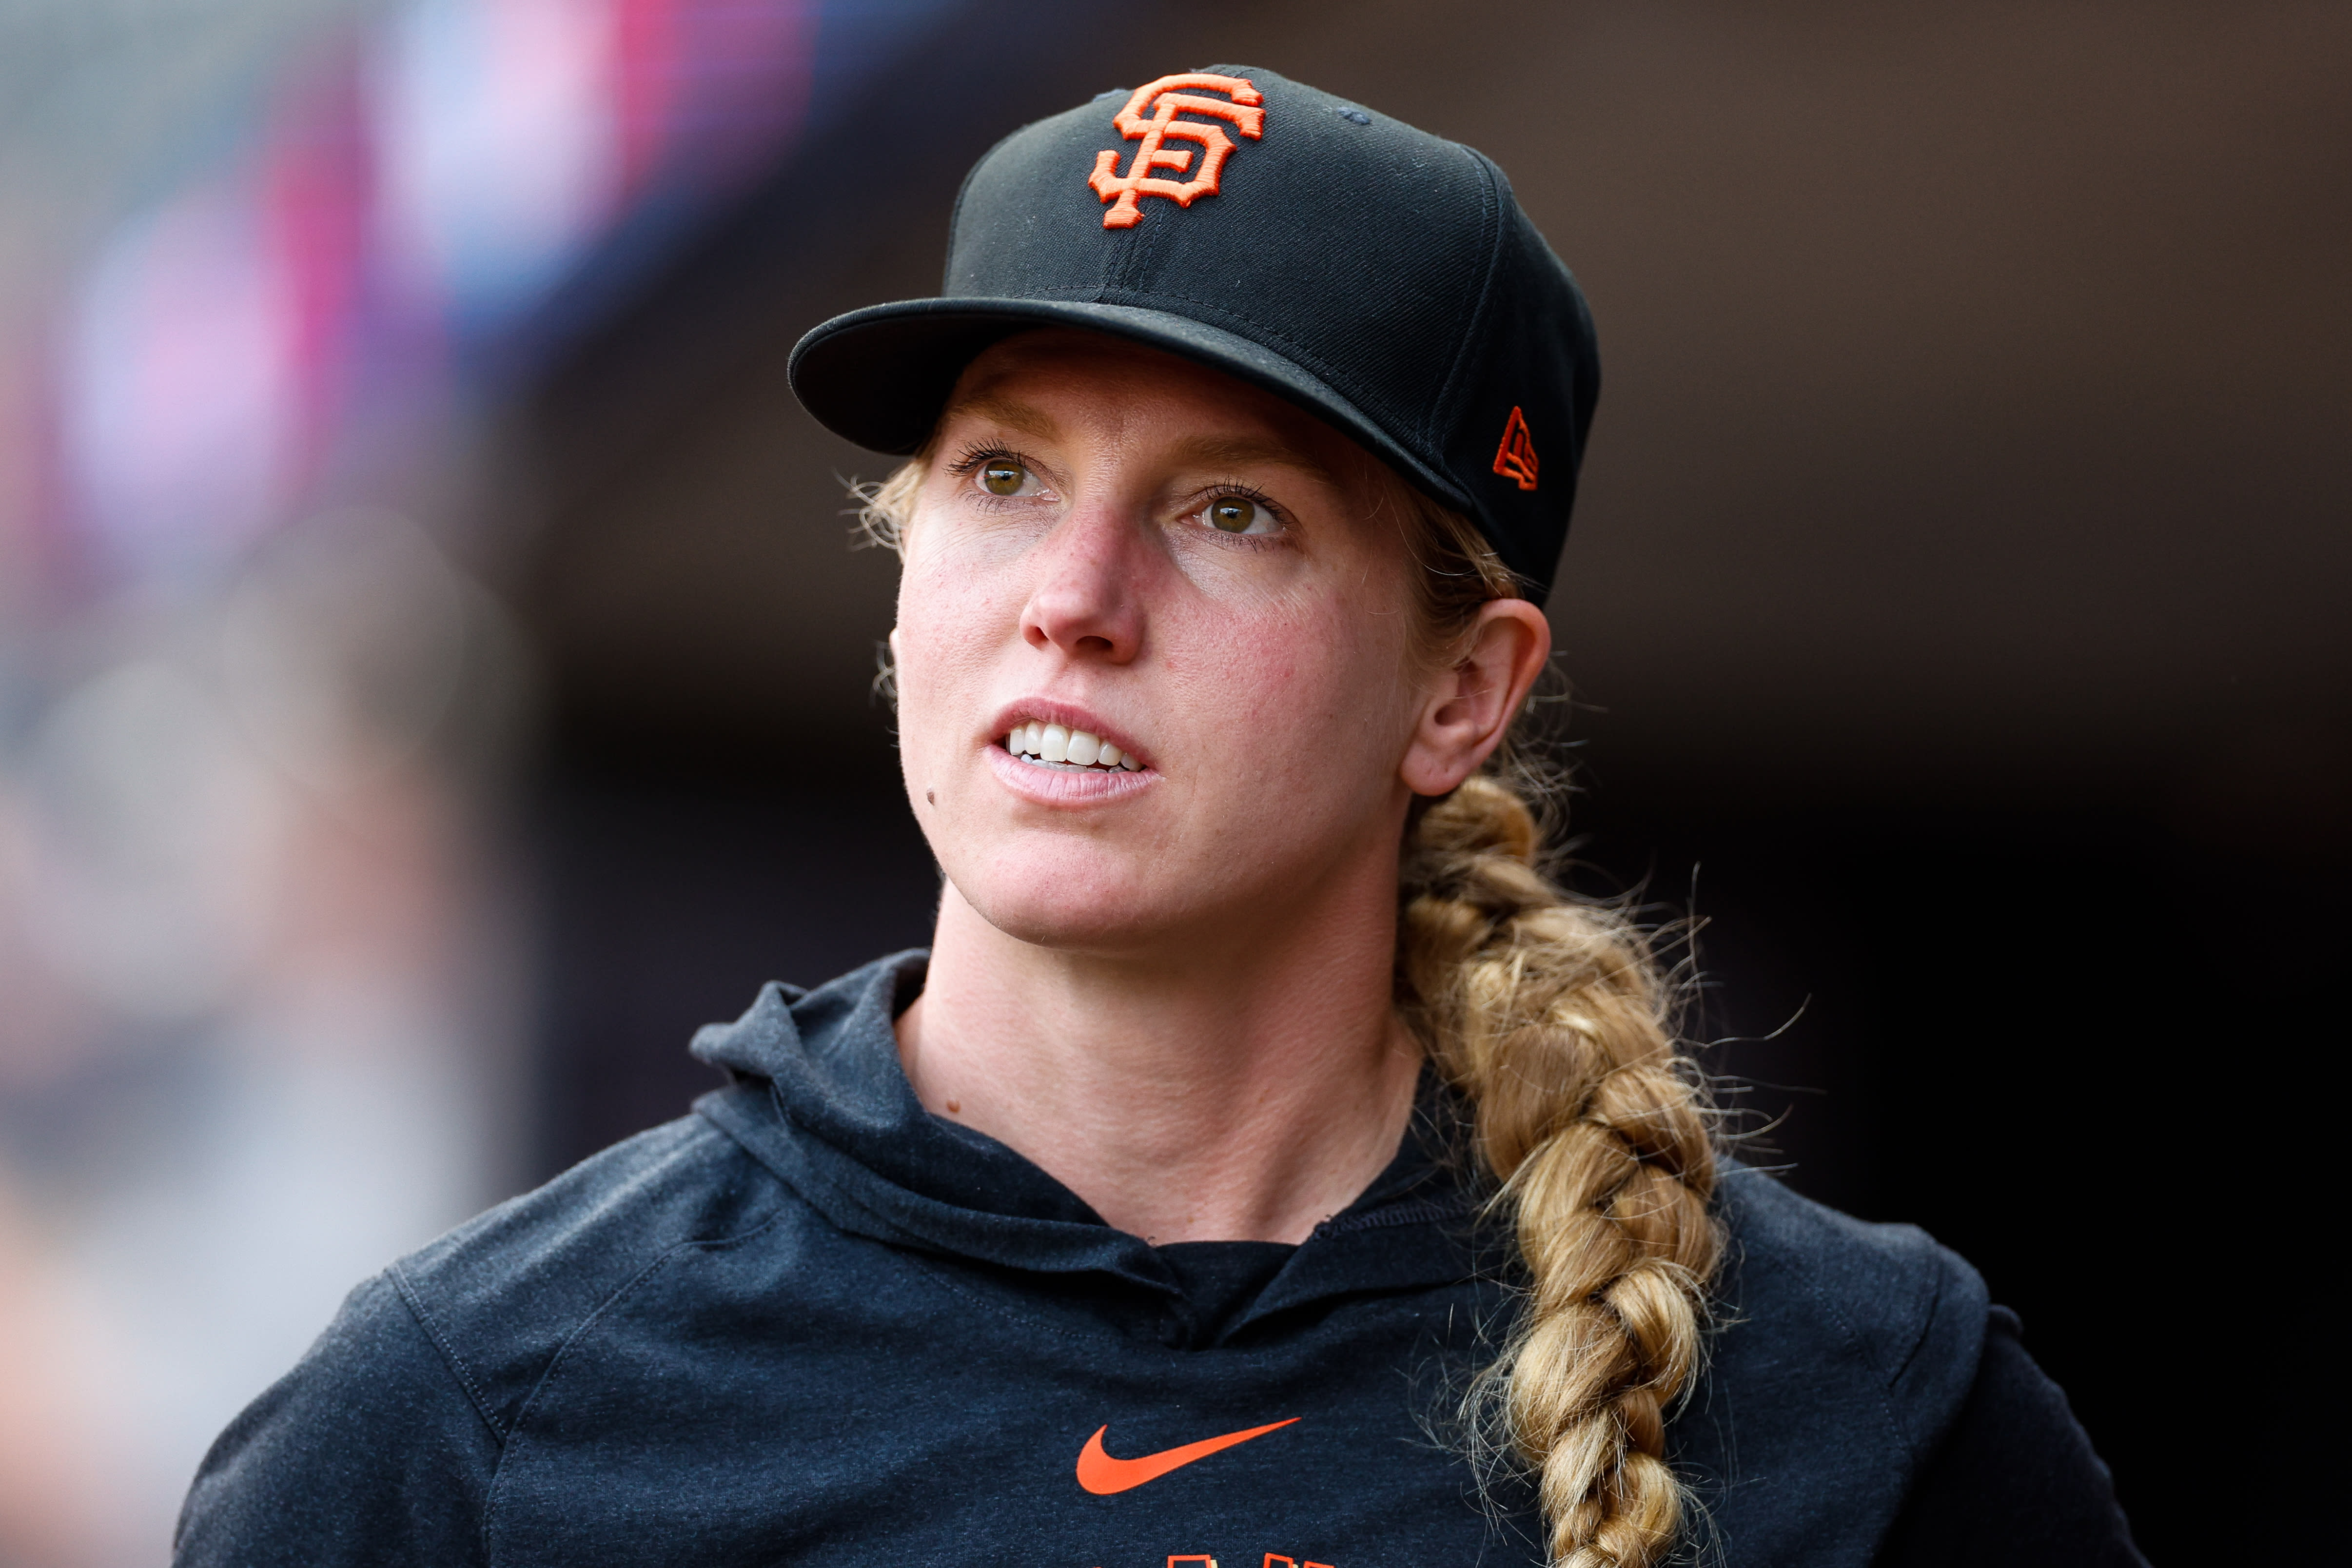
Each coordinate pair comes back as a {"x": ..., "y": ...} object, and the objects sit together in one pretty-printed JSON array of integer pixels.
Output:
[{"x": 1266, "y": 1165}]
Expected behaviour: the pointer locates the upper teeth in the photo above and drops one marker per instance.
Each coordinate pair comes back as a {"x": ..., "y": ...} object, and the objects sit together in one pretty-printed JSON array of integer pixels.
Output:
[{"x": 1054, "y": 743}]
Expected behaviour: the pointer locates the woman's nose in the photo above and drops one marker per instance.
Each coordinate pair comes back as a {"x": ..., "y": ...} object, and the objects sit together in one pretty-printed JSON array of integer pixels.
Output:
[{"x": 1086, "y": 601}]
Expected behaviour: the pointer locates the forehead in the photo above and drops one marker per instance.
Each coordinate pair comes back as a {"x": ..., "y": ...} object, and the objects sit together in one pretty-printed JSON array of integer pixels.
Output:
[{"x": 1057, "y": 384}]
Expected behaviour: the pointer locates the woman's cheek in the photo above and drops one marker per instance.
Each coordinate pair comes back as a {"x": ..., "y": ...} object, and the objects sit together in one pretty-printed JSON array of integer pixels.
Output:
[
  {"x": 944, "y": 620},
  {"x": 1285, "y": 690}
]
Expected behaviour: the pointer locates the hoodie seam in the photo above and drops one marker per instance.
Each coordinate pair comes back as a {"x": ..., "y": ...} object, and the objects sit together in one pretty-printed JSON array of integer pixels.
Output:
[
  {"x": 1853, "y": 1339},
  {"x": 563, "y": 1354},
  {"x": 1927, "y": 1329},
  {"x": 448, "y": 1353}
]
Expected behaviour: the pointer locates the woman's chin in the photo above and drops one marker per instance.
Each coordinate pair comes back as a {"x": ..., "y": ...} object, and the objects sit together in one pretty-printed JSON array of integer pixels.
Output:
[
  {"x": 1081, "y": 898},
  {"x": 1104, "y": 926}
]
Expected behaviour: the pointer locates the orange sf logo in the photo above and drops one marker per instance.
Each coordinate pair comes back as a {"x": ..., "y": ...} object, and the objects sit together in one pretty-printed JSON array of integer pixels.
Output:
[{"x": 1122, "y": 190}]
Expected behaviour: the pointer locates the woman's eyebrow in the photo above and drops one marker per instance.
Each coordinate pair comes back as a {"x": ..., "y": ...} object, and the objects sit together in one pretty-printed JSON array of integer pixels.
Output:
[
  {"x": 1201, "y": 451},
  {"x": 1022, "y": 417},
  {"x": 1236, "y": 451}
]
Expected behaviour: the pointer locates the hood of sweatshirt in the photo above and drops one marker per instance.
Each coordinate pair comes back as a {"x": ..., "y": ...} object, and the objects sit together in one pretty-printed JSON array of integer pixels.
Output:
[{"x": 839, "y": 1120}]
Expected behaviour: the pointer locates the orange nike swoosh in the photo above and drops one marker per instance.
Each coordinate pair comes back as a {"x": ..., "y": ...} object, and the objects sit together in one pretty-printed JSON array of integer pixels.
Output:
[{"x": 1102, "y": 1475}]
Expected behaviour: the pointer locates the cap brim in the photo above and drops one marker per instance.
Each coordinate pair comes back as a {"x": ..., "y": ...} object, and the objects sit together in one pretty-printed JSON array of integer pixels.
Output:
[{"x": 880, "y": 377}]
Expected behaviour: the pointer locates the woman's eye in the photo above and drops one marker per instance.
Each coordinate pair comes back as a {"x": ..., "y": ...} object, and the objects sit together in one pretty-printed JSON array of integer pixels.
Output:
[
  {"x": 1239, "y": 514},
  {"x": 1003, "y": 476}
]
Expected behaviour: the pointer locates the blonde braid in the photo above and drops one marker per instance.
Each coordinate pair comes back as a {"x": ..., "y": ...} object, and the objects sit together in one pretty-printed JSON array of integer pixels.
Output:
[{"x": 1549, "y": 1016}]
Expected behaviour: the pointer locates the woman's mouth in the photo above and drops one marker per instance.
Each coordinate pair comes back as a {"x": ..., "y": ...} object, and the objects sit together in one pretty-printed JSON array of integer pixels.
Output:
[{"x": 1080, "y": 751}]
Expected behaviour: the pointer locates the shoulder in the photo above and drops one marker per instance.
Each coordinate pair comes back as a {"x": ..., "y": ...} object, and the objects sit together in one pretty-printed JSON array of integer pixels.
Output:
[
  {"x": 502, "y": 1295},
  {"x": 2017, "y": 1482},
  {"x": 380, "y": 1445},
  {"x": 1903, "y": 1313},
  {"x": 325, "y": 1468},
  {"x": 1843, "y": 1352}
]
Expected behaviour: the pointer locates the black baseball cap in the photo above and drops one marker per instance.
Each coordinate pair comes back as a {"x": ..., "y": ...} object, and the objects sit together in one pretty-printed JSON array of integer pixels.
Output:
[{"x": 1379, "y": 276}]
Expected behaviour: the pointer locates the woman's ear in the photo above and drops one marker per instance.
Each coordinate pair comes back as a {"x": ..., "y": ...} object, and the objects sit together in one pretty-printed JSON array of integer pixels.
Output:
[{"x": 1467, "y": 710}]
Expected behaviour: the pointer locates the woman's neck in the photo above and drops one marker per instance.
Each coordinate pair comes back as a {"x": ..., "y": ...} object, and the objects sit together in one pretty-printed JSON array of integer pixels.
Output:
[{"x": 1242, "y": 1095}]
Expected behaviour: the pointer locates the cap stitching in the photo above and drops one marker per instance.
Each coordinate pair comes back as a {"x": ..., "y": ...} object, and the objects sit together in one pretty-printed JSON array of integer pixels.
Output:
[
  {"x": 955, "y": 212},
  {"x": 1442, "y": 415},
  {"x": 1127, "y": 260}
]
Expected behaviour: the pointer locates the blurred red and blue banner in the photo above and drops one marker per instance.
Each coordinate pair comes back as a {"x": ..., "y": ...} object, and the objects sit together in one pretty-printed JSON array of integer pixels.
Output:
[{"x": 413, "y": 195}]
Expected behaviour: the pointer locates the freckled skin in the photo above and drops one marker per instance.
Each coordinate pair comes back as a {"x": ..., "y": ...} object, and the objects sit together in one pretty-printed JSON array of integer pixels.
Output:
[{"x": 1172, "y": 988}]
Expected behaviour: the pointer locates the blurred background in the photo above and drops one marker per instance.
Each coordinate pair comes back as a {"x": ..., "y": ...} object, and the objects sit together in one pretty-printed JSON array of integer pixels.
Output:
[{"x": 435, "y": 676}]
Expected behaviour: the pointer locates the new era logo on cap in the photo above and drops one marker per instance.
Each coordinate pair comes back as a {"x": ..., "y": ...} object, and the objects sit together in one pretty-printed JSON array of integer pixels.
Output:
[
  {"x": 1515, "y": 458},
  {"x": 1166, "y": 99}
]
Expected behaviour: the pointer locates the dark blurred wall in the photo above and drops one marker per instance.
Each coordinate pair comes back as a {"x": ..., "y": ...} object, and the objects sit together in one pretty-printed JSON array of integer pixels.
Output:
[{"x": 1957, "y": 598}]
